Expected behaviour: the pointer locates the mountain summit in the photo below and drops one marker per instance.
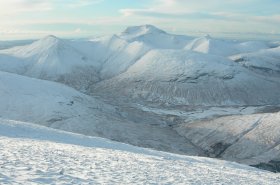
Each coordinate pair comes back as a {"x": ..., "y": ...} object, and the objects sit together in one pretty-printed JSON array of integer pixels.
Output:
[
  {"x": 154, "y": 37},
  {"x": 136, "y": 31}
]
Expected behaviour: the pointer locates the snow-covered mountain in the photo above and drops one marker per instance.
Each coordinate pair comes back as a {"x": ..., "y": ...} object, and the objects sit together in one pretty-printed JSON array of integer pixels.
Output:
[
  {"x": 250, "y": 139},
  {"x": 78, "y": 64},
  {"x": 265, "y": 62},
  {"x": 221, "y": 47},
  {"x": 154, "y": 37},
  {"x": 45, "y": 156},
  {"x": 116, "y": 55},
  {"x": 53, "y": 59},
  {"x": 135, "y": 59},
  {"x": 51, "y": 104},
  {"x": 58, "y": 106},
  {"x": 48, "y": 57},
  {"x": 12, "y": 43},
  {"x": 152, "y": 89},
  {"x": 189, "y": 78}
]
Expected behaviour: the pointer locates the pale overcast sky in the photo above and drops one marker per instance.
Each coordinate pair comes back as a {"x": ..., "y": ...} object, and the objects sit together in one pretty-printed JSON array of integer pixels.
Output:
[{"x": 22, "y": 19}]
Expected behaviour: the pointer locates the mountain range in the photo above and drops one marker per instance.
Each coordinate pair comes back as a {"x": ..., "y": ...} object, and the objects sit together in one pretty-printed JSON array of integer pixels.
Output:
[{"x": 203, "y": 96}]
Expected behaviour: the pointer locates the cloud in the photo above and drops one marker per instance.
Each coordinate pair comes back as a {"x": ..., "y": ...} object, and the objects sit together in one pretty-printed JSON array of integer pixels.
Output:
[
  {"x": 13, "y": 7},
  {"x": 65, "y": 17},
  {"x": 187, "y": 6},
  {"x": 160, "y": 14},
  {"x": 81, "y": 3},
  {"x": 230, "y": 10}
]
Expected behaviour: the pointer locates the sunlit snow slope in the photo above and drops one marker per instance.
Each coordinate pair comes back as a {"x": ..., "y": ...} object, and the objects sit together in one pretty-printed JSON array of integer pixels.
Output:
[
  {"x": 146, "y": 63},
  {"x": 144, "y": 86},
  {"x": 58, "y": 106},
  {"x": 250, "y": 139},
  {"x": 191, "y": 78},
  {"x": 36, "y": 155}
]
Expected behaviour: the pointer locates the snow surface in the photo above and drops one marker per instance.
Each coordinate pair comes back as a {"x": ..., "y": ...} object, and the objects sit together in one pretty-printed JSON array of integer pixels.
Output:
[
  {"x": 154, "y": 37},
  {"x": 12, "y": 43},
  {"x": 190, "y": 78},
  {"x": 145, "y": 82},
  {"x": 58, "y": 106},
  {"x": 48, "y": 57},
  {"x": 37, "y": 155},
  {"x": 146, "y": 63},
  {"x": 249, "y": 139},
  {"x": 221, "y": 47},
  {"x": 265, "y": 62}
]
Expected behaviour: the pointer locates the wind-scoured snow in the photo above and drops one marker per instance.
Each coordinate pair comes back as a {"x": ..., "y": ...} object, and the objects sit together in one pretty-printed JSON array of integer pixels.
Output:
[{"x": 64, "y": 158}]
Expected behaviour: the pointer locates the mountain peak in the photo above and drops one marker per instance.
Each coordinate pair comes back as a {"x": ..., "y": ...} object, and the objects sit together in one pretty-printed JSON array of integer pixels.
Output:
[
  {"x": 46, "y": 44},
  {"x": 208, "y": 36},
  {"x": 50, "y": 39},
  {"x": 141, "y": 30}
]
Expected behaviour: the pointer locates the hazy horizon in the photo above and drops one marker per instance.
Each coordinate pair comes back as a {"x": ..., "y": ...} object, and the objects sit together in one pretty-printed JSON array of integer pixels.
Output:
[{"x": 33, "y": 19}]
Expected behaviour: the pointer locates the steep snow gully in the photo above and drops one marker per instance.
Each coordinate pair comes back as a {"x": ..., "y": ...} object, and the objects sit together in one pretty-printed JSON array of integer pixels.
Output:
[{"x": 197, "y": 96}]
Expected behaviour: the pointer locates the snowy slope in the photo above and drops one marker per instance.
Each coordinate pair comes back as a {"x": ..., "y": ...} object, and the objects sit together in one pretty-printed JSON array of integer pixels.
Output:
[
  {"x": 53, "y": 59},
  {"x": 48, "y": 103},
  {"x": 10, "y": 44},
  {"x": 154, "y": 37},
  {"x": 58, "y": 106},
  {"x": 81, "y": 64},
  {"x": 78, "y": 64},
  {"x": 48, "y": 57},
  {"x": 265, "y": 62},
  {"x": 142, "y": 71},
  {"x": 36, "y": 155},
  {"x": 221, "y": 47},
  {"x": 250, "y": 139},
  {"x": 191, "y": 78},
  {"x": 116, "y": 54}
]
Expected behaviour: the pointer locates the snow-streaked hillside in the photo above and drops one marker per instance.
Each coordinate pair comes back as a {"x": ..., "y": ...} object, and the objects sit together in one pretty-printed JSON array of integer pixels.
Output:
[
  {"x": 53, "y": 59},
  {"x": 152, "y": 89},
  {"x": 137, "y": 64},
  {"x": 36, "y": 155},
  {"x": 78, "y": 64},
  {"x": 48, "y": 103},
  {"x": 116, "y": 55},
  {"x": 154, "y": 37},
  {"x": 48, "y": 58},
  {"x": 190, "y": 78},
  {"x": 265, "y": 62},
  {"x": 250, "y": 139},
  {"x": 221, "y": 47},
  {"x": 58, "y": 106}
]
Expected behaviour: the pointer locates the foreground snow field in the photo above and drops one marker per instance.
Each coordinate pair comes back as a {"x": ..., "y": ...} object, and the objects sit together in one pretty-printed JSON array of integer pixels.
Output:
[{"x": 36, "y": 155}]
